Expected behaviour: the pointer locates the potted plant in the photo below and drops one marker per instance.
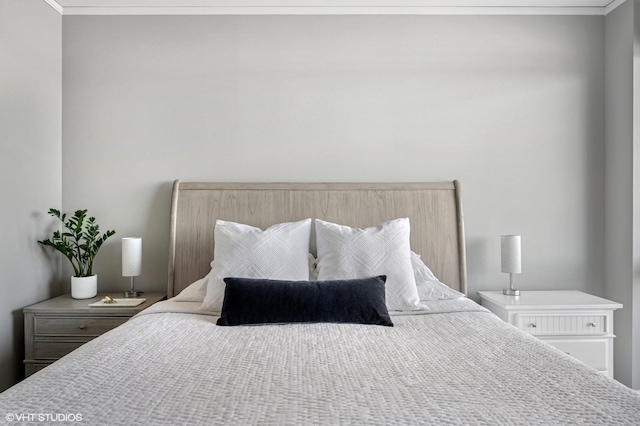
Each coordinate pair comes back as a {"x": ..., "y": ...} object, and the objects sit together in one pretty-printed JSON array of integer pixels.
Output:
[{"x": 79, "y": 242}]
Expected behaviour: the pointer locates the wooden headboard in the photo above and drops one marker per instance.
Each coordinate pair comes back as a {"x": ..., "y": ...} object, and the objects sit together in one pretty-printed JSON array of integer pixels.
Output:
[{"x": 434, "y": 210}]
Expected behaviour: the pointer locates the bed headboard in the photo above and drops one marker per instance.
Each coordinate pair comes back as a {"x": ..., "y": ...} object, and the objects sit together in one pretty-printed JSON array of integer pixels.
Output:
[{"x": 434, "y": 210}]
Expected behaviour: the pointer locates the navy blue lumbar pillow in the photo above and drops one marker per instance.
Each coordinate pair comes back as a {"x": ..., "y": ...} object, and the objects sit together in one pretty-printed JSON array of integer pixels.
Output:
[{"x": 260, "y": 301}]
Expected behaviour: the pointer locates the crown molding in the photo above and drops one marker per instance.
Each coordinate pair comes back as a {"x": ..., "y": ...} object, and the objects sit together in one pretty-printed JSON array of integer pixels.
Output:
[
  {"x": 341, "y": 10},
  {"x": 611, "y": 6},
  {"x": 55, "y": 6},
  {"x": 489, "y": 7}
]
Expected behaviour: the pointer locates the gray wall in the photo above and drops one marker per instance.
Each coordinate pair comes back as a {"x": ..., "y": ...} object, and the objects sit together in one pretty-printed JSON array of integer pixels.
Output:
[
  {"x": 620, "y": 191},
  {"x": 30, "y": 165},
  {"x": 511, "y": 106}
]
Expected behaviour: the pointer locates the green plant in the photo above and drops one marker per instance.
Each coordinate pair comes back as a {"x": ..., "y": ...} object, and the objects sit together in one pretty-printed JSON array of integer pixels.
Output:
[{"x": 80, "y": 242}]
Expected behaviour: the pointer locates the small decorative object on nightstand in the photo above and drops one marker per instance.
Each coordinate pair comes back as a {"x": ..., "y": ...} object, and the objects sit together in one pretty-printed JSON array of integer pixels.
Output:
[
  {"x": 511, "y": 260},
  {"x": 57, "y": 326},
  {"x": 131, "y": 262},
  {"x": 577, "y": 323}
]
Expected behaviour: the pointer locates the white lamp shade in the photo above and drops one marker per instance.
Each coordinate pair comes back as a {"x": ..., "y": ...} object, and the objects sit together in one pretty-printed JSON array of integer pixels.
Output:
[
  {"x": 511, "y": 254},
  {"x": 131, "y": 257}
]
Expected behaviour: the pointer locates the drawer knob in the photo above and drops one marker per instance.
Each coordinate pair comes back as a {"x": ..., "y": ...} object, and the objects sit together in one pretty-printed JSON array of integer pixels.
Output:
[
  {"x": 533, "y": 325},
  {"x": 82, "y": 326},
  {"x": 592, "y": 324}
]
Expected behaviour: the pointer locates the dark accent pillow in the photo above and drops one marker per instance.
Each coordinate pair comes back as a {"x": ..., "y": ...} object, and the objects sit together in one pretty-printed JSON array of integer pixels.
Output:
[{"x": 261, "y": 301}]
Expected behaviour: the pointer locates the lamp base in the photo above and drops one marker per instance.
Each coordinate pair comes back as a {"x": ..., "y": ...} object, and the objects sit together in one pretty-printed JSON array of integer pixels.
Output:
[
  {"x": 511, "y": 292},
  {"x": 132, "y": 294}
]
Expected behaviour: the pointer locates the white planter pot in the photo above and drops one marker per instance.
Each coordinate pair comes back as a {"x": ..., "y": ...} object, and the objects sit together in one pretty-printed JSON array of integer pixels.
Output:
[{"x": 84, "y": 287}]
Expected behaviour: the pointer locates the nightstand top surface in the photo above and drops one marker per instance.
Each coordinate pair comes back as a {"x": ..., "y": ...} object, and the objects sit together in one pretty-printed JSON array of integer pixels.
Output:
[
  {"x": 66, "y": 304},
  {"x": 545, "y": 299}
]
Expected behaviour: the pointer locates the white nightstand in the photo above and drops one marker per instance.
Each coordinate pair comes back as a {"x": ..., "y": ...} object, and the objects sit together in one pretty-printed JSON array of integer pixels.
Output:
[{"x": 577, "y": 323}]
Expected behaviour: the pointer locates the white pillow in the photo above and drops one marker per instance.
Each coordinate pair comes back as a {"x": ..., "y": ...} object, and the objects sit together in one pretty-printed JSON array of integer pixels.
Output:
[
  {"x": 279, "y": 252},
  {"x": 349, "y": 253},
  {"x": 195, "y": 292},
  {"x": 430, "y": 287}
]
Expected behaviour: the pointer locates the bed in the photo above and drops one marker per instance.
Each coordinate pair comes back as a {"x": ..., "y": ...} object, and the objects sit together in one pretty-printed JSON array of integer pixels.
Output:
[{"x": 452, "y": 362}]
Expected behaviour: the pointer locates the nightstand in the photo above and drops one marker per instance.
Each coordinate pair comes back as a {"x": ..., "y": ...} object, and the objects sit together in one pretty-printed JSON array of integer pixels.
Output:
[
  {"x": 57, "y": 326},
  {"x": 577, "y": 323}
]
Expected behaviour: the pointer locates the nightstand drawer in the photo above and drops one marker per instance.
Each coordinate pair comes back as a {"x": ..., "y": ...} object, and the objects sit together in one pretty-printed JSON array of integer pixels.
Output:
[
  {"x": 593, "y": 353},
  {"x": 75, "y": 326},
  {"x": 562, "y": 324},
  {"x": 53, "y": 349}
]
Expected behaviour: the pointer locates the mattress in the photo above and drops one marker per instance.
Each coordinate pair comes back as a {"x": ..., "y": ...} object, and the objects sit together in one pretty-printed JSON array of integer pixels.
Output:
[{"x": 454, "y": 364}]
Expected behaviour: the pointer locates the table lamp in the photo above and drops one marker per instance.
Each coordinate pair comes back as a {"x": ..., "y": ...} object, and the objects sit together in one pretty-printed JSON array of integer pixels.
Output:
[
  {"x": 131, "y": 262},
  {"x": 511, "y": 260}
]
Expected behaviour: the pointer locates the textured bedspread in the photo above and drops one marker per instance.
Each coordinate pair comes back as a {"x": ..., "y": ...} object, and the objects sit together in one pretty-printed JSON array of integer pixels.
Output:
[{"x": 464, "y": 367}]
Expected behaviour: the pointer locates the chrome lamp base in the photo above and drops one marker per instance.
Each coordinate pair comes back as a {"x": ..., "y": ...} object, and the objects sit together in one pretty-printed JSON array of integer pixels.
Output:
[
  {"x": 511, "y": 291},
  {"x": 132, "y": 293}
]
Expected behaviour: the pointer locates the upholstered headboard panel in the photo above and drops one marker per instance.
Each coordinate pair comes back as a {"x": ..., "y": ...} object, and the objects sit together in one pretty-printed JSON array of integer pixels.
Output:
[{"x": 434, "y": 209}]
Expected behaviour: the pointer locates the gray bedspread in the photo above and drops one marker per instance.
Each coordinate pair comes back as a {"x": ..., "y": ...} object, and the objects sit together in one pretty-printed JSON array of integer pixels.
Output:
[{"x": 457, "y": 364}]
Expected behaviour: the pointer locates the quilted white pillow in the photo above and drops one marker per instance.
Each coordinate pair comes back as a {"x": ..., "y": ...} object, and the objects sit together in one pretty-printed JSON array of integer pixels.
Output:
[
  {"x": 430, "y": 287},
  {"x": 195, "y": 292},
  {"x": 280, "y": 252},
  {"x": 349, "y": 253}
]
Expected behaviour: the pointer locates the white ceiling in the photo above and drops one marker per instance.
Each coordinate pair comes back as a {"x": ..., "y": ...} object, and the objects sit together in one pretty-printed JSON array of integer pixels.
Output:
[{"x": 330, "y": 7}]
